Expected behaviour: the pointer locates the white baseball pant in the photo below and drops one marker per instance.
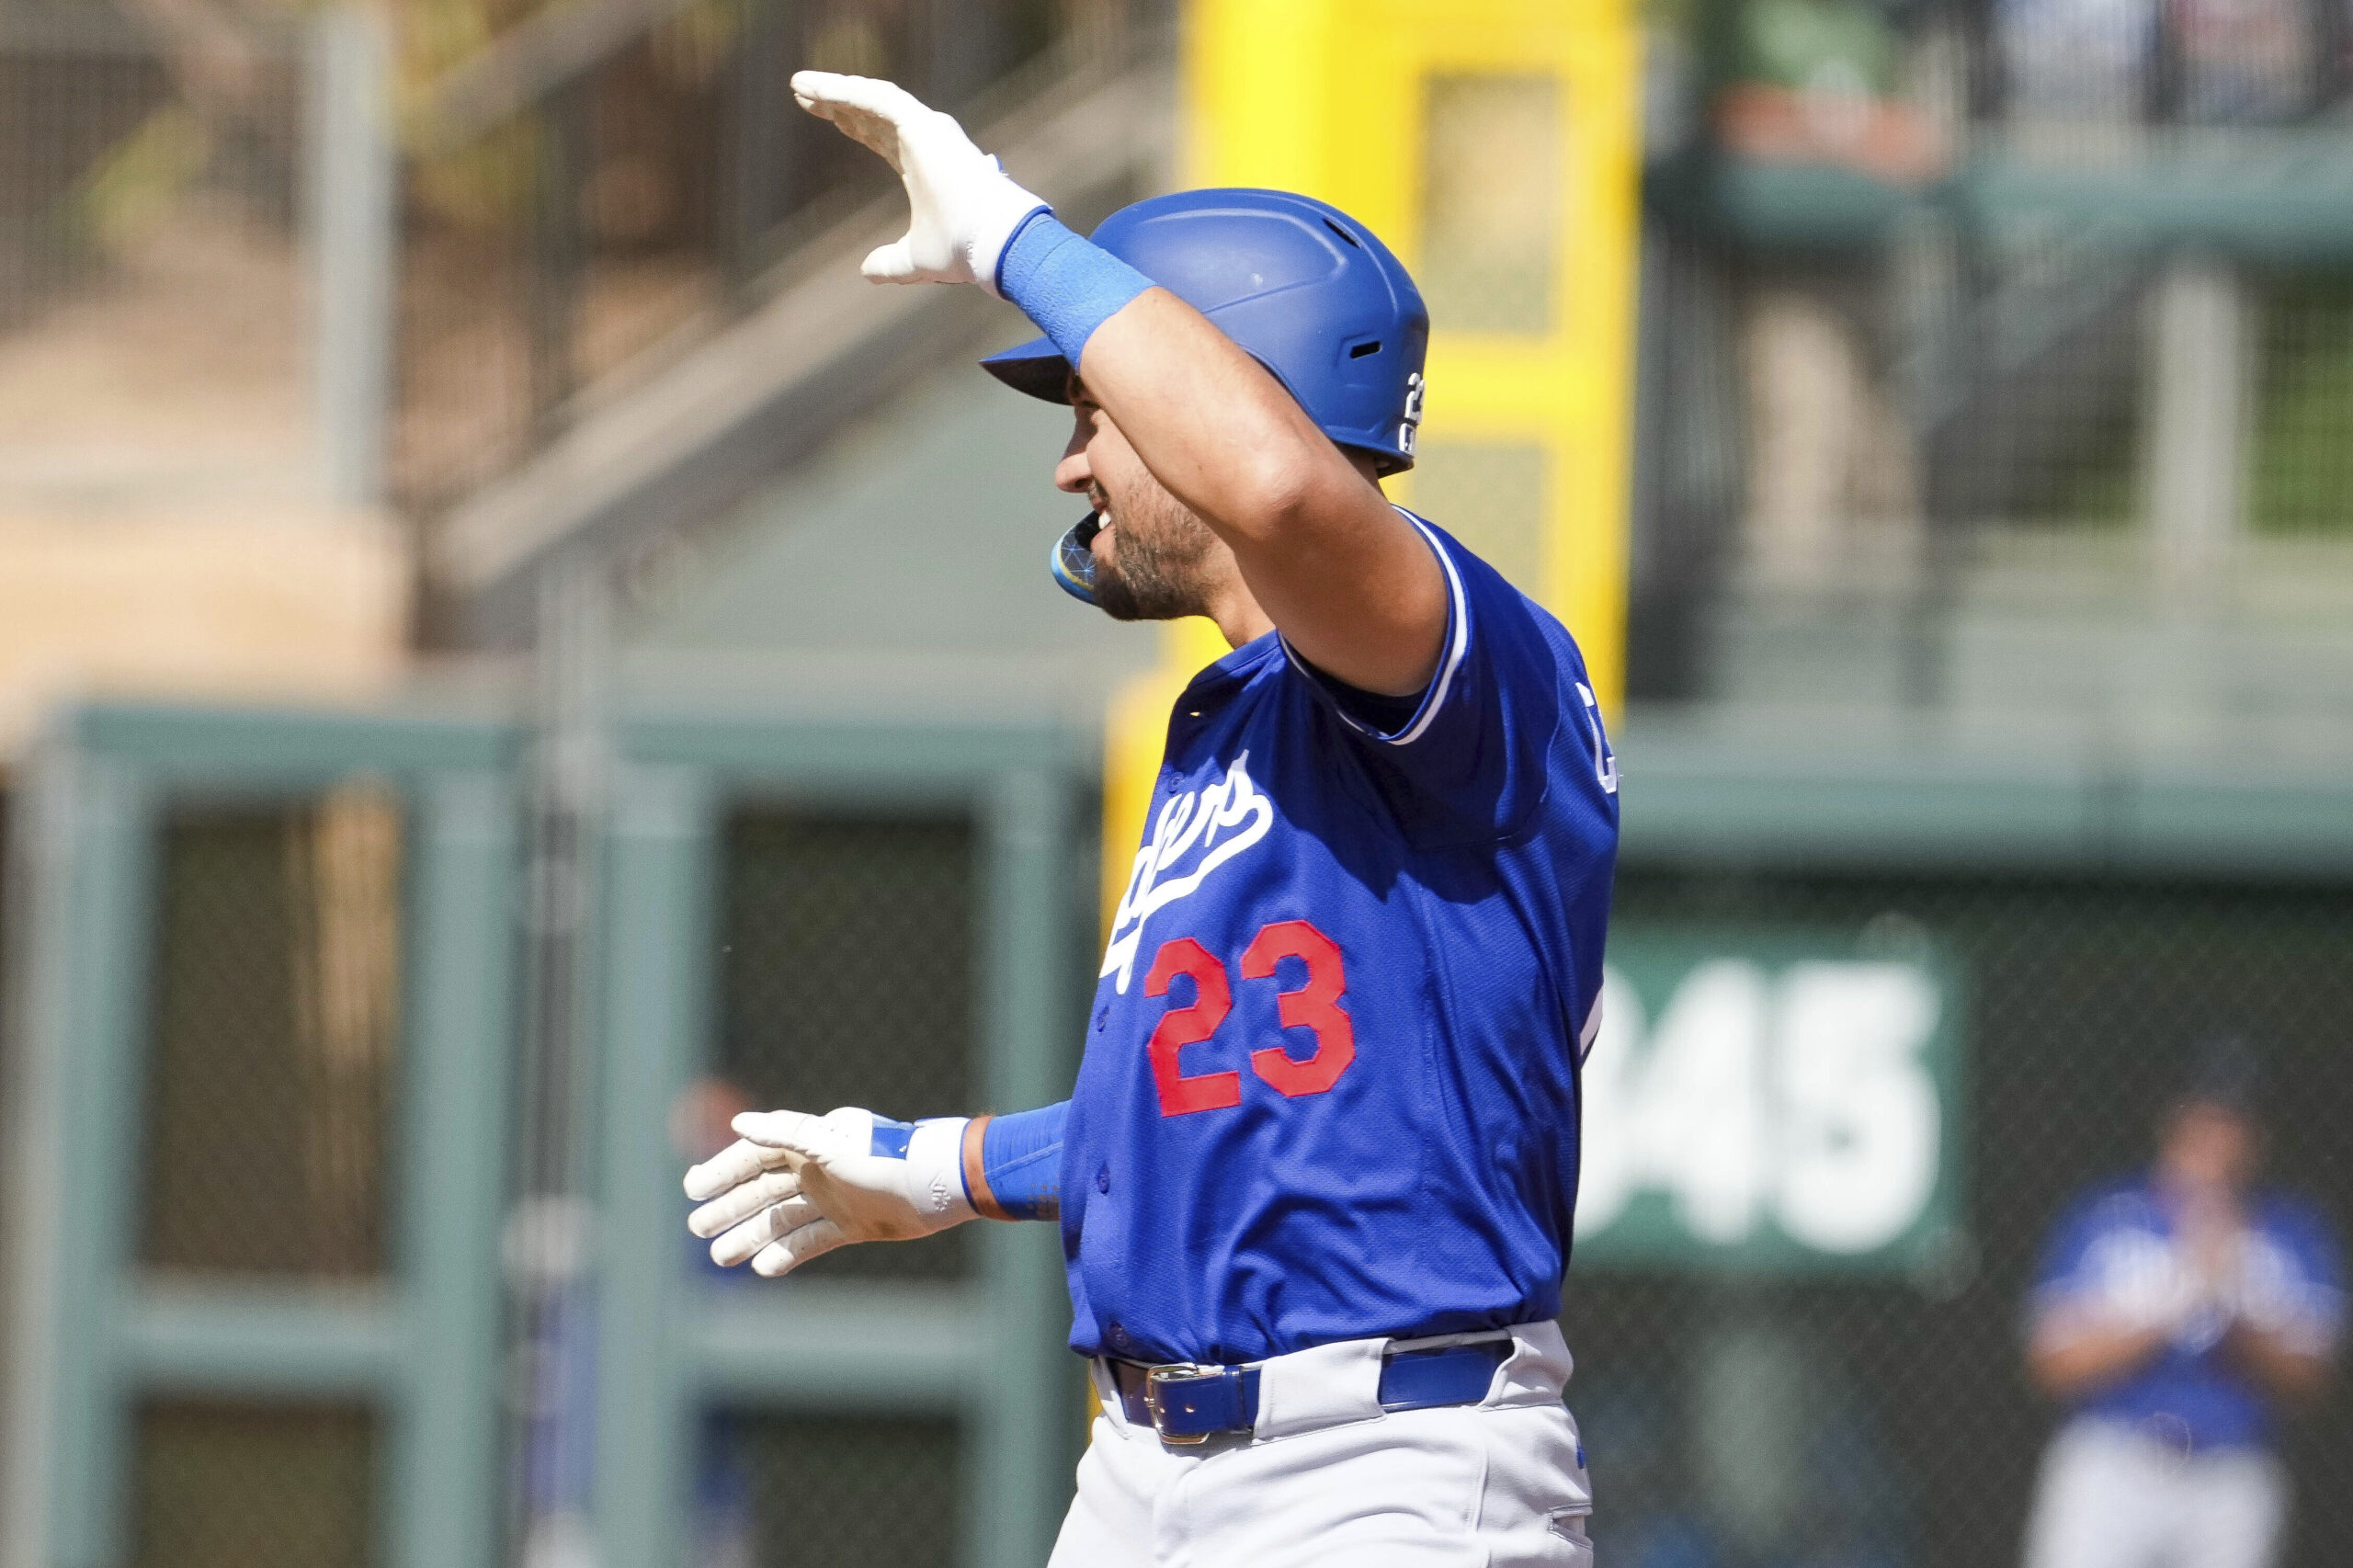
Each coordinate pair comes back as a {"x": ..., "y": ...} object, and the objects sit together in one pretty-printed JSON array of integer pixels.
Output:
[
  {"x": 2114, "y": 1497},
  {"x": 1329, "y": 1477}
]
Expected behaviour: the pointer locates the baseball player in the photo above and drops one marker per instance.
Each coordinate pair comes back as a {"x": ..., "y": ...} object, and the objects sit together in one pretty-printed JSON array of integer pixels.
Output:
[
  {"x": 1316, "y": 1178},
  {"x": 2176, "y": 1314}
]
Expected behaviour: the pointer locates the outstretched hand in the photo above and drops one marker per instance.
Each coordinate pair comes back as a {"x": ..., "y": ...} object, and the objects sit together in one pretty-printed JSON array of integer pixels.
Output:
[
  {"x": 795, "y": 1186},
  {"x": 962, "y": 208}
]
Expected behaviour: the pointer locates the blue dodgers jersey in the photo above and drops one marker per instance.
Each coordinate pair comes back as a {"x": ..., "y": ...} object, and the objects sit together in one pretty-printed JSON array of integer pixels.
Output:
[
  {"x": 2113, "y": 1254},
  {"x": 1330, "y": 1082}
]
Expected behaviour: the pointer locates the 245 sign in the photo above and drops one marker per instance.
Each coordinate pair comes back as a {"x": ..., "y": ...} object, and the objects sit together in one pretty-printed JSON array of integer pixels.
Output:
[{"x": 1769, "y": 1103}]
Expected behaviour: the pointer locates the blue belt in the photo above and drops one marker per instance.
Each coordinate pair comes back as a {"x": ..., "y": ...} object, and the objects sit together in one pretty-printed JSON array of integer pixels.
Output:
[{"x": 1189, "y": 1403}]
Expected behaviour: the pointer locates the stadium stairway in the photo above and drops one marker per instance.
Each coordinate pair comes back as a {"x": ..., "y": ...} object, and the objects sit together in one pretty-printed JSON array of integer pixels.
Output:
[{"x": 817, "y": 349}]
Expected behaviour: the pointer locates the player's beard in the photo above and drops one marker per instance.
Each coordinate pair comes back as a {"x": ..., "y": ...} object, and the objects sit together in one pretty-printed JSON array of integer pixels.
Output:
[{"x": 1158, "y": 551}]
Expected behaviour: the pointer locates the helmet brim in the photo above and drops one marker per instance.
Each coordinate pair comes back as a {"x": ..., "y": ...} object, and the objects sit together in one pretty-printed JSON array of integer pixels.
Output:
[{"x": 1036, "y": 366}]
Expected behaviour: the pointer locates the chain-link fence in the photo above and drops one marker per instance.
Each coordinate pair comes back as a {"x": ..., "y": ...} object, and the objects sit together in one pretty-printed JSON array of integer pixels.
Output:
[
  {"x": 152, "y": 329},
  {"x": 600, "y": 187},
  {"x": 1778, "y": 1413},
  {"x": 2302, "y": 464},
  {"x": 846, "y": 1489},
  {"x": 1741, "y": 1420},
  {"x": 844, "y": 970},
  {"x": 276, "y": 1017},
  {"x": 62, "y": 117},
  {"x": 245, "y": 1486},
  {"x": 119, "y": 126},
  {"x": 848, "y": 979},
  {"x": 269, "y": 1083}
]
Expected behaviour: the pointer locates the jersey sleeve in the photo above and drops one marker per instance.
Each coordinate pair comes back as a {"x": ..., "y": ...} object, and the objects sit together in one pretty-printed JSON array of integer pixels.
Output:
[
  {"x": 2064, "y": 1273},
  {"x": 1478, "y": 743}
]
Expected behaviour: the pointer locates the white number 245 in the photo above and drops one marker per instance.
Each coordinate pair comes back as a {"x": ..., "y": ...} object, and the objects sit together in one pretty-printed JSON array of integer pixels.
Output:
[{"x": 1801, "y": 1095}]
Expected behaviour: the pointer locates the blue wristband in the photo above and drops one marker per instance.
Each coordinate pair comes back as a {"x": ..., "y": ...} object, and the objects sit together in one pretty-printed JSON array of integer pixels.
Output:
[
  {"x": 1069, "y": 286},
  {"x": 1021, "y": 1161}
]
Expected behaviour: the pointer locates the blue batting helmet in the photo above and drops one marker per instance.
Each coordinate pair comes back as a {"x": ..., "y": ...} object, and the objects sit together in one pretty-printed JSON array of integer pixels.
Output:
[{"x": 1311, "y": 293}]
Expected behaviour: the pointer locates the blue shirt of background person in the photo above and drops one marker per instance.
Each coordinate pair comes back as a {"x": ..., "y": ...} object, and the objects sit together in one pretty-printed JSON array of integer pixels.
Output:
[{"x": 2186, "y": 1302}]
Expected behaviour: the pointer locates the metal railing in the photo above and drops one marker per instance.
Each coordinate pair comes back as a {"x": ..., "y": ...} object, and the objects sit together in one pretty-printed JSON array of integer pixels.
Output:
[
  {"x": 108, "y": 123},
  {"x": 1975, "y": 326},
  {"x": 615, "y": 180}
]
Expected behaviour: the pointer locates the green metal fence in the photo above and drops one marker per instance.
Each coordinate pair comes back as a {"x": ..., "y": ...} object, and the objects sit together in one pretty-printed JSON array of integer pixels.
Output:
[
  {"x": 983, "y": 818},
  {"x": 266, "y": 1241},
  {"x": 267, "y": 1008},
  {"x": 1788, "y": 1415},
  {"x": 2089, "y": 918},
  {"x": 203, "y": 1309}
]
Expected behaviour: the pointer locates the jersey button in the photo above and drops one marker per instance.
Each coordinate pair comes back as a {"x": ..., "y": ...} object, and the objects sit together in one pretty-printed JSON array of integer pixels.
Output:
[
  {"x": 1103, "y": 1179},
  {"x": 1120, "y": 1334}
]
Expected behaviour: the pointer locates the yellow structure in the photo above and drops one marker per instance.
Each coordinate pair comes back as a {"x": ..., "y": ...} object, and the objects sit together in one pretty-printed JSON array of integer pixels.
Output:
[{"x": 1494, "y": 146}]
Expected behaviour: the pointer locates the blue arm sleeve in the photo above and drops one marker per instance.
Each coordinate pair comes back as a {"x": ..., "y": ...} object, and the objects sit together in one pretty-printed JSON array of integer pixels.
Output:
[
  {"x": 1021, "y": 1159},
  {"x": 1069, "y": 286}
]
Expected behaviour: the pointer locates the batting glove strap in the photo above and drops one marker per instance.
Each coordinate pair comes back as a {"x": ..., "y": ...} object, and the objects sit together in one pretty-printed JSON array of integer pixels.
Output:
[
  {"x": 795, "y": 1186},
  {"x": 935, "y": 1171}
]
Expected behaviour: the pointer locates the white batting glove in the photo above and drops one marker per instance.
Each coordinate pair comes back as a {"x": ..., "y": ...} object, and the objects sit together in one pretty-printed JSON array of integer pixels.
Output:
[
  {"x": 796, "y": 1187},
  {"x": 964, "y": 207}
]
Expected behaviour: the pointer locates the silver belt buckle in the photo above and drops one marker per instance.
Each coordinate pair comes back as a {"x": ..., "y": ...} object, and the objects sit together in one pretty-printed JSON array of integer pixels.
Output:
[{"x": 1175, "y": 1372}]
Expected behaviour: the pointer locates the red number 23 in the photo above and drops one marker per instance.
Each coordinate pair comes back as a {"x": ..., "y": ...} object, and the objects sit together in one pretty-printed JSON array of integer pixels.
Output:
[{"x": 1315, "y": 1005}]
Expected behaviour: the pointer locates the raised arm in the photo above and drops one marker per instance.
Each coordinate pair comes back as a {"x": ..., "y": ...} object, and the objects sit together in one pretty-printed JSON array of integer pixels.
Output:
[{"x": 1348, "y": 580}]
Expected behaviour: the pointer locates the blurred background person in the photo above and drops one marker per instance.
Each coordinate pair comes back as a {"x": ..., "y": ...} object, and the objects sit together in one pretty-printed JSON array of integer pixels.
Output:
[
  {"x": 724, "y": 1527},
  {"x": 2179, "y": 1315},
  {"x": 548, "y": 1251}
]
